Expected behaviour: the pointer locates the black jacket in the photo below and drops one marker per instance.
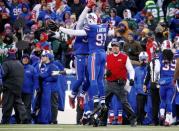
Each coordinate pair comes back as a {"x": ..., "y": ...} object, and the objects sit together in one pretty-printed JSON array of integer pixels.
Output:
[{"x": 13, "y": 76}]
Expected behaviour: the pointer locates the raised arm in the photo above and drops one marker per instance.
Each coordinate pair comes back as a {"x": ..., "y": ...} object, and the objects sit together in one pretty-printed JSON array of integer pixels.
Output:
[
  {"x": 82, "y": 18},
  {"x": 73, "y": 32}
]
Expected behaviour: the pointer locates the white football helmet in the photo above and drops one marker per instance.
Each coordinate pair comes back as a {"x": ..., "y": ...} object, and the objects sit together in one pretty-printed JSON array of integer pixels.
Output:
[
  {"x": 167, "y": 44},
  {"x": 176, "y": 42},
  {"x": 143, "y": 56},
  {"x": 92, "y": 18}
]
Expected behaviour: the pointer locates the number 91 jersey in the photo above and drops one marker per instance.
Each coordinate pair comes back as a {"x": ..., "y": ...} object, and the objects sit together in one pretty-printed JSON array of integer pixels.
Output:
[{"x": 96, "y": 35}]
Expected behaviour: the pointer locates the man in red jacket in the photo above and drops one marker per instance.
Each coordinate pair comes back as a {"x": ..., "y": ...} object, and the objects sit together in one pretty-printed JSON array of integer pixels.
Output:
[
  {"x": 118, "y": 66},
  {"x": 151, "y": 46}
]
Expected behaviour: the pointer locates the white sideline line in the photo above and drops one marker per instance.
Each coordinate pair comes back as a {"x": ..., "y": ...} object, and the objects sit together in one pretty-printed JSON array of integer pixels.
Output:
[
  {"x": 21, "y": 128},
  {"x": 83, "y": 129},
  {"x": 91, "y": 128}
]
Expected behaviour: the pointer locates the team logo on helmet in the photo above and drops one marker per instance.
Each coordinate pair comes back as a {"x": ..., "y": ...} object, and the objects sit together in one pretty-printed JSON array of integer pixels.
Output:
[
  {"x": 167, "y": 44},
  {"x": 92, "y": 18}
]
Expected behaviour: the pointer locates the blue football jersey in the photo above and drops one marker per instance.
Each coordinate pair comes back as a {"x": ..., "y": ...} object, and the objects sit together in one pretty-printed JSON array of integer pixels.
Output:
[
  {"x": 81, "y": 45},
  {"x": 177, "y": 54},
  {"x": 15, "y": 11},
  {"x": 96, "y": 35},
  {"x": 115, "y": 21},
  {"x": 167, "y": 69}
]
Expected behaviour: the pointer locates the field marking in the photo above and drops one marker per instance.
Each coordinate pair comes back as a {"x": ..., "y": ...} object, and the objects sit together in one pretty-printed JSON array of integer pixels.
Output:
[
  {"x": 91, "y": 128},
  {"x": 30, "y": 128},
  {"x": 84, "y": 128}
]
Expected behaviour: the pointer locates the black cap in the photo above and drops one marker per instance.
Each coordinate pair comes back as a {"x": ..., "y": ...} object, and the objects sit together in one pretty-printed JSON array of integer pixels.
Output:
[
  {"x": 115, "y": 43},
  {"x": 150, "y": 34}
]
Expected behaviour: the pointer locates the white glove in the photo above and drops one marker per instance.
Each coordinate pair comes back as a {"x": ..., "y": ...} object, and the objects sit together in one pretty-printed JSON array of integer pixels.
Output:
[
  {"x": 177, "y": 89},
  {"x": 57, "y": 35},
  {"x": 54, "y": 73}
]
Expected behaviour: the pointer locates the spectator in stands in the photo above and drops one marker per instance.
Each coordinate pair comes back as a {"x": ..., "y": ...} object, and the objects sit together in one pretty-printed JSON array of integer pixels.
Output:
[
  {"x": 77, "y": 7},
  {"x": 174, "y": 26},
  {"x": 105, "y": 13},
  {"x": 4, "y": 16},
  {"x": 151, "y": 45},
  {"x": 124, "y": 30},
  {"x": 120, "y": 7},
  {"x": 8, "y": 29},
  {"x": 140, "y": 16},
  {"x": 161, "y": 32},
  {"x": 62, "y": 9},
  {"x": 128, "y": 18},
  {"x": 26, "y": 15},
  {"x": 42, "y": 12},
  {"x": 140, "y": 4},
  {"x": 132, "y": 48},
  {"x": 155, "y": 10},
  {"x": 171, "y": 8},
  {"x": 67, "y": 19},
  {"x": 5, "y": 45},
  {"x": 131, "y": 5},
  {"x": 43, "y": 44},
  {"x": 143, "y": 38},
  {"x": 151, "y": 21},
  {"x": 15, "y": 9},
  {"x": 1, "y": 85},
  {"x": 114, "y": 20}
]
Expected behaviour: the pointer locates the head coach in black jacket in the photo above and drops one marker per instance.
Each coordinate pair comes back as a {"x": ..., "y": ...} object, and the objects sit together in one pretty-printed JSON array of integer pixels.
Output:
[{"x": 12, "y": 83}]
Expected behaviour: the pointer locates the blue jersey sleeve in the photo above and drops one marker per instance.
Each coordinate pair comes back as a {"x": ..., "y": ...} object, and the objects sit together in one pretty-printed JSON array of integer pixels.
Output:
[{"x": 177, "y": 54}]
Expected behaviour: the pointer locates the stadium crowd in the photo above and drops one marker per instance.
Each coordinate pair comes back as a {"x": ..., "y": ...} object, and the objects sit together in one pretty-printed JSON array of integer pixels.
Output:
[{"x": 37, "y": 52}]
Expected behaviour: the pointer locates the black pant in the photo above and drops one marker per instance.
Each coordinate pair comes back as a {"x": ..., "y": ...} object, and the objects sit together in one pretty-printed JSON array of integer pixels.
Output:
[
  {"x": 10, "y": 101},
  {"x": 177, "y": 113},
  {"x": 117, "y": 88},
  {"x": 141, "y": 101},
  {"x": 54, "y": 107},
  {"x": 27, "y": 98},
  {"x": 155, "y": 102}
]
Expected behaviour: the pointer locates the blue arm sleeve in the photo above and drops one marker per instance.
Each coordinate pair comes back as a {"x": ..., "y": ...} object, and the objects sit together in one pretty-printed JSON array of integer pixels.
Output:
[
  {"x": 35, "y": 79},
  {"x": 52, "y": 78}
]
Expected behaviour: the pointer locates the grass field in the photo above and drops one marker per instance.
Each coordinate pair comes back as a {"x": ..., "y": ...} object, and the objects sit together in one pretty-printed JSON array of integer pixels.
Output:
[{"x": 84, "y": 128}]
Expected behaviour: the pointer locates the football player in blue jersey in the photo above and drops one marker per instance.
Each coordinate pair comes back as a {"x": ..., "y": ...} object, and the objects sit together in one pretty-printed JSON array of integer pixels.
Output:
[
  {"x": 81, "y": 52},
  {"x": 81, "y": 56},
  {"x": 176, "y": 78},
  {"x": 167, "y": 88},
  {"x": 96, "y": 34}
]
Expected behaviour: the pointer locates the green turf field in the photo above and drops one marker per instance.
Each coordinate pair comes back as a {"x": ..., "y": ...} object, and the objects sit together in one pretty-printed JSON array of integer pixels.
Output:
[{"x": 84, "y": 128}]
